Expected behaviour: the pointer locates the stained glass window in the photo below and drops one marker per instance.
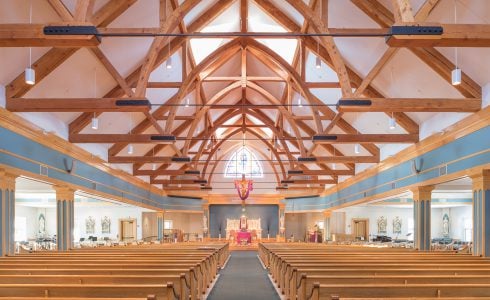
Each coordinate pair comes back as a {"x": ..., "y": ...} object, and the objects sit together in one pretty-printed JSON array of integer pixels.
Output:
[{"x": 243, "y": 161}]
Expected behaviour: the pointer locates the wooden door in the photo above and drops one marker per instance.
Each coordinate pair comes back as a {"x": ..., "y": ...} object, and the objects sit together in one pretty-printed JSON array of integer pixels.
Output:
[
  {"x": 360, "y": 229},
  {"x": 127, "y": 230}
]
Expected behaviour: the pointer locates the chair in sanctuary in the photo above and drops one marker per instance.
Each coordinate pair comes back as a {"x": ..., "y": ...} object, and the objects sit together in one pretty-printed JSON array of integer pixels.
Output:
[{"x": 232, "y": 237}]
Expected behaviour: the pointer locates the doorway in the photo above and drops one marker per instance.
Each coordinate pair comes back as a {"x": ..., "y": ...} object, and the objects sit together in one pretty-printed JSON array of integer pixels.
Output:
[
  {"x": 360, "y": 229},
  {"x": 127, "y": 230}
]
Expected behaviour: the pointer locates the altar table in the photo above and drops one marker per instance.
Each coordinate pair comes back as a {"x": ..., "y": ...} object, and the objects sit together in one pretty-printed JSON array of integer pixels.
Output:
[{"x": 244, "y": 235}]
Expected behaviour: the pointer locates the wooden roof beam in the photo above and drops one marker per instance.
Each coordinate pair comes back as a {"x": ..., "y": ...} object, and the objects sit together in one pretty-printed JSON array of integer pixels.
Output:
[
  {"x": 433, "y": 58},
  {"x": 454, "y": 35},
  {"x": 341, "y": 159},
  {"x": 32, "y": 35},
  {"x": 56, "y": 56},
  {"x": 403, "y": 11},
  {"x": 402, "y": 119},
  {"x": 175, "y": 44},
  {"x": 182, "y": 181},
  {"x": 318, "y": 181},
  {"x": 142, "y": 159},
  {"x": 306, "y": 172},
  {"x": 366, "y": 138},
  {"x": 72, "y": 105},
  {"x": 117, "y": 138},
  {"x": 413, "y": 105},
  {"x": 163, "y": 173}
]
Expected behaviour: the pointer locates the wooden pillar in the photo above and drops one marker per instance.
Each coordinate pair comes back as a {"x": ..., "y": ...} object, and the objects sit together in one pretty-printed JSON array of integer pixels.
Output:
[
  {"x": 7, "y": 213},
  {"x": 422, "y": 196},
  {"x": 326, "y": 224},
  {"x": 65, "y": 217},
  {"x": 481, "y": 213},
  {"x": 160, "y": 225}
]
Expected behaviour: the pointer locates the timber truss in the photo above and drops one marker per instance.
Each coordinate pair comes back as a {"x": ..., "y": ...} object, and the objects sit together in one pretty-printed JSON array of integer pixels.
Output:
[{"x": 294, "y": 153}]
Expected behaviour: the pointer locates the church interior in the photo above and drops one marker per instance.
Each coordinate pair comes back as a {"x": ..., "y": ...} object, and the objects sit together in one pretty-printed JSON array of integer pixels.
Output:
[{"x": 244, "y": 149}]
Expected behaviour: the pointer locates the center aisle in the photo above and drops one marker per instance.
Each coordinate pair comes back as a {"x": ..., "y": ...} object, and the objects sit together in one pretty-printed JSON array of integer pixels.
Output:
[{"x": 243, "y": 278}]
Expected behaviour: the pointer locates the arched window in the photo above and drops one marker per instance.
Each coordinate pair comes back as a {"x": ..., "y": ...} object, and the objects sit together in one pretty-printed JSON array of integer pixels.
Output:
[{"x": 243, "y": 161}]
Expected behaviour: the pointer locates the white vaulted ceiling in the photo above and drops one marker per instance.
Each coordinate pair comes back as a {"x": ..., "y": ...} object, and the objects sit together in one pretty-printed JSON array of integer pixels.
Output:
[{"x": 83, "y": 75}]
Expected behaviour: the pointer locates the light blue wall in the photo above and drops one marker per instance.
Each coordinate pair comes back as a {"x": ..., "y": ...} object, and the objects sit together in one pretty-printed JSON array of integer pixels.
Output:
[
  {"x": 22, "y": 153},
  {"x": 466, "y": 152},
  {"x": 269, "y": 215}
]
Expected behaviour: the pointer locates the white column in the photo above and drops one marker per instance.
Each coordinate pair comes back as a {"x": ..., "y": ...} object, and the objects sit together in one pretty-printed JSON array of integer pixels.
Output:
[
  {"x": 65, "y": 215},
  {"x": 7, "y": 213}
]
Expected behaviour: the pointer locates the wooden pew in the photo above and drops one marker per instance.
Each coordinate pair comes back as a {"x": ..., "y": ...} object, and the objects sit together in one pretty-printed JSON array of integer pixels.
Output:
[
  {"x": 160, "y": 291},
  {"x": 307, "y": 281},
  {"x": 187, "y": 270},
  {"x": 331, "y": 267},
  {"x": 414, "y": 291}
]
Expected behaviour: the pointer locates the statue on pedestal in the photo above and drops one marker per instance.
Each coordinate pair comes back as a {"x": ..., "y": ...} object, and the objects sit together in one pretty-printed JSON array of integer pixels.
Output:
[{"x": 243, "y": 223}]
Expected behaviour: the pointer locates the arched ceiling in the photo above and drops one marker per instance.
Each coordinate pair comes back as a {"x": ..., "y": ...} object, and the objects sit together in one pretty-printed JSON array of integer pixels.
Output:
[{"x": 274, "y": 93}]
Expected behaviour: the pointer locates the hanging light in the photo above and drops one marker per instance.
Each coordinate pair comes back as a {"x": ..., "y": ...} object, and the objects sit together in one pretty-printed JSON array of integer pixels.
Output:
[
  {"x": 95, "y": 120},
  {"x": 95, "y": 123},
  {"x": 392, "y": 122},
  {"x": 456, "y": 73},
  {"x": 318, "y": 63},
  {"x": 357, "y": 148},
  {"x": 300, "y": 104},
  {"x": 169, "y": 63},
  {"x": 456, "y": 76},
  {"x": 130, "y": 149},
  {"x": 334, "y": 166},
  {"x": 187, "y": 102},
  {"x": 153, "y": 167},
  {"x": 30, "y": 76}
]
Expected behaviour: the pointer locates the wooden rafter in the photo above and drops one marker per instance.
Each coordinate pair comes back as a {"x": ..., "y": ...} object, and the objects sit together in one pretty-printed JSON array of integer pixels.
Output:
[
  {"x": 56, "y": 56},
  {"x": 414, "y": 105},
  {"x": 454, "y": 35},
  {"x": 277, "y": 14},
  {"x": 32, "y": 35},
  {"x": 208, "y": 16},
  {"x": 433, "y": 58}
]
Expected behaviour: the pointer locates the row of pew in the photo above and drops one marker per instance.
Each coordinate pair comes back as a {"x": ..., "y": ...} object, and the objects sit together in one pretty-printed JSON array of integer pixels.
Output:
[
  {"x": 319, "y": 271},
  {"x": 154, "y": 272}
]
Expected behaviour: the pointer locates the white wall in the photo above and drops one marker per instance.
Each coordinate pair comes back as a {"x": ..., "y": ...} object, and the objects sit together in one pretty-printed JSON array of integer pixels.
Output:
[
  {"x": 30, "y": 213},
  {"x": 457, "y": 215},
  {"x": 298, "y": 223},
  {"x": 187, "y": 222},
  {"x": 373, "y": 213},
  {"x": 113, "y": 212}
]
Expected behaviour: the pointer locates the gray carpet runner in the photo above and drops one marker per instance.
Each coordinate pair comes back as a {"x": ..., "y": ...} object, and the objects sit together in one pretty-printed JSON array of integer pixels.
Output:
[{"x": 243, "y": 278}]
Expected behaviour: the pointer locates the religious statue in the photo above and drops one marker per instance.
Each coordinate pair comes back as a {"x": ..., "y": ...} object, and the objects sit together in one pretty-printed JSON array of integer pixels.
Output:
[
  {"x": 90, "y": 225},
  {"x": 42, "y": 225},
  {"x": 204, "y": 223},
  {"x": 105, "y": 225},
  {"x": 243, "y": 223},
  {"x": 445, "y": 225},
  {"x": 382, "y": 224},
  {"x": 397, "y": 225}
]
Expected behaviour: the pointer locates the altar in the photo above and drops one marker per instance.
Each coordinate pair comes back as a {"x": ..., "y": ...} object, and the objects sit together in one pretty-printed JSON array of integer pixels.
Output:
[
  {"x": 243, "y": 229},
  {"x": 243, "y": 237}
]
